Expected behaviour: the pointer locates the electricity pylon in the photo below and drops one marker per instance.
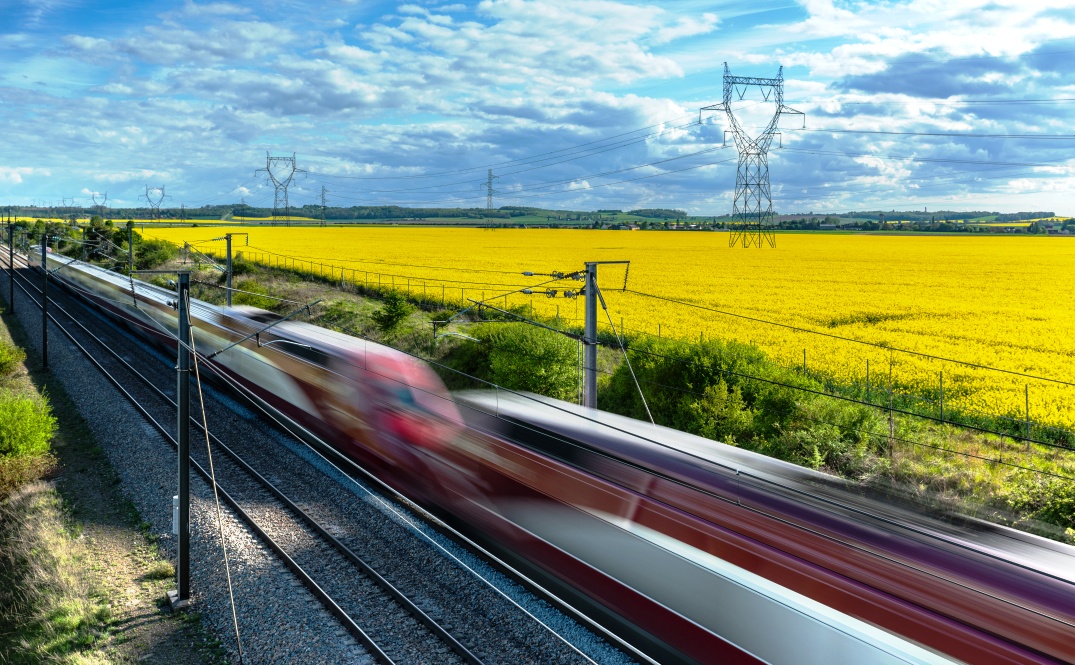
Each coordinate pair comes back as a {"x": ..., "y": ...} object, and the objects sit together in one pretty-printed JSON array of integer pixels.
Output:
[
  {"x": 489, "y": 191},
  {"x": 323, "y": 192},
  {"x": 285, "y": 170},
  {"x": 155, "y": 205},
  {"x": 752, "y": 208},
  {"x": 102, "y": 205}
]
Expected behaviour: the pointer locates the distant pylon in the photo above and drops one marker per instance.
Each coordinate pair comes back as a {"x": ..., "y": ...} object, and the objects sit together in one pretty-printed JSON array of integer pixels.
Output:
[
  {"x": 323, "y": 192},
  {"x": 155, "y": 205},
  {"x": 752, "y": 207},
  {"x": 285, "y": 170},
  {"x": 489, "y": 190},
  {"x": 102, "y": 205}
]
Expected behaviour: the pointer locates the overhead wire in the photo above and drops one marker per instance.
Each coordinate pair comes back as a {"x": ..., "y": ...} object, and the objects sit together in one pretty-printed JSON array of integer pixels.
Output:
[
  {"x": 888, "y": 408},
  {"x": 520, "y": 161},
  {"x": 515, "y": 273},
  {"x": 884, "y": 435},
  {"x": 510, "y": 173},
  {"x": 885, "y": 347},
  {"x": 216, "y": 493},
  {"x": 515, "y": 193},
  {"x": 968, "y": 135}
]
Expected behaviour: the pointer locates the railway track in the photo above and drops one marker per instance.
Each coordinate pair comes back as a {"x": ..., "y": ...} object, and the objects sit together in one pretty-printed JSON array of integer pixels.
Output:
[{"x": 402, "y": 595}]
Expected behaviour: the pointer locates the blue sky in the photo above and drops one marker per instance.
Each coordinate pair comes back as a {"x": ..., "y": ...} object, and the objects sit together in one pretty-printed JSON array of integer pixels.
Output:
[{"x": 580, "y": 104}]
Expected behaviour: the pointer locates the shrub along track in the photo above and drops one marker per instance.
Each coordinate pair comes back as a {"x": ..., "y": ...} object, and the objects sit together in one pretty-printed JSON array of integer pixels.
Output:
[{"x": 397, "y": 591}]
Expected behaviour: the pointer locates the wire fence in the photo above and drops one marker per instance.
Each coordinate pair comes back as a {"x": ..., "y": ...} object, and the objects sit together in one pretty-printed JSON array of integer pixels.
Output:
[
  {"x": 864, "y": 387},
  {"x": 1016, "y": 460}
]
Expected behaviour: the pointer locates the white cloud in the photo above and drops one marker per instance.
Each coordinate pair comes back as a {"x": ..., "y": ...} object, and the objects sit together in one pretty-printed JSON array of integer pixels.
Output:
[
  {"x": 198, "y": 94},
  {"x": 686, "y": 27},
  {"x": 213, "y": 9},
  {"x": 128, "y": 176},
  {"x": 14, "y": 174}
]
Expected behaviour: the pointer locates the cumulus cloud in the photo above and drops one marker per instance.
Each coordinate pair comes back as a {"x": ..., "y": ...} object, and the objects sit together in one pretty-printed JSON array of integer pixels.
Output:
[
  {"x": 213, "y": 9},
  {"x": 686, "y": 26},
  {"x": 536, "y": 88},
  {"x": 14, "y": 174}
]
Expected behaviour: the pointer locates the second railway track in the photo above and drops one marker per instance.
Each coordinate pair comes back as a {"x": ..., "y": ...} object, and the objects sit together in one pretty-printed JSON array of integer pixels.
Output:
[{"x": 402, "y": 594}]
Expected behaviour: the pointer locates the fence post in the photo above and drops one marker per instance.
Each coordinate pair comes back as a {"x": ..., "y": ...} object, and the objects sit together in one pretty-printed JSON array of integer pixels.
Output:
[
  {"x": 891, "y": 422},
  {"x": 1027, "y": 429},
  {"x": 867, "y": 379},
  {"x": 804, "y": 362},
  {"x": 942, "y": 393}
]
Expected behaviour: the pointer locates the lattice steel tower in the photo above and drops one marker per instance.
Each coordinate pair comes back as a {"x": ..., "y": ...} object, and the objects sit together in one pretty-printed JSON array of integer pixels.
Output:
[
  {"x": 489, "y": 191},
  {"x": 752, "y": 208},
  {"x": 285, "y": 170},
  {"x": 154, "y": 197}
]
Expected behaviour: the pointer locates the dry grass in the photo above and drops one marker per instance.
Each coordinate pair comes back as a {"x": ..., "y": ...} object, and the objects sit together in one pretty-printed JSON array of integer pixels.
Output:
[{"x": 50, "y": 609}]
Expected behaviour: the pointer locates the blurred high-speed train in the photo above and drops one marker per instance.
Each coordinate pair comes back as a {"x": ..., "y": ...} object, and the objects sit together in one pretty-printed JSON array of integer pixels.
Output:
[{"x": 697, "y": 551}]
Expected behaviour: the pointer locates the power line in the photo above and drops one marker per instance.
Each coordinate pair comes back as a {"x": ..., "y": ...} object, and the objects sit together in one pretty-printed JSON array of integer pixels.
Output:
[
  {"x": 515, "y": 273},
  {"x": 589, "y": 153},
  {"x": 849, "y": 428},
  {"x": 523, "y": 160},
  {"x": 944, "y": 102},
  {"x": 514, "y": 195},
  {"x": 852, "y": 400},
  {"x": 850, "y": 339},
  {"x": 327, "y": 263},
  {"x": 1037, "y": 137},
  {"x": 542, "y": 185},
  {"x": 812, "y": 151}
]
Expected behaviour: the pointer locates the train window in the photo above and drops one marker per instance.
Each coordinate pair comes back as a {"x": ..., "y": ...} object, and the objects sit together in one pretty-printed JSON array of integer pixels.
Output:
[
  {"x": 262, "y": 317},
  {"x": 404, "y": 396},
  {"x": 542, "y": 441},
  {"x": 307, "y": 353}
]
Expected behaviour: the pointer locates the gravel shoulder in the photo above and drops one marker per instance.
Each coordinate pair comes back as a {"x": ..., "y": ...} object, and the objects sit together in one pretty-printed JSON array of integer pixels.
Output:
[{"x": 118, "y": 555}]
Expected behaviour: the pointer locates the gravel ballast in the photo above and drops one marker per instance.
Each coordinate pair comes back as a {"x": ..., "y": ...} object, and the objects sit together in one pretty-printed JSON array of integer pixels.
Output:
[{"x": 279, "y": 621}]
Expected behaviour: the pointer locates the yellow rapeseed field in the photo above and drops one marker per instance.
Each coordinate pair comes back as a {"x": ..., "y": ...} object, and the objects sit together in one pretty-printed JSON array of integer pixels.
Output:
[{"x": 1002, "y": 302}]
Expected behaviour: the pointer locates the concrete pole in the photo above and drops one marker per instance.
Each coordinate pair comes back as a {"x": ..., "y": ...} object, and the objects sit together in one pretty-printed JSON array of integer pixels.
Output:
[
  {"x": 589, "y": 358},
  {"x": 227, "y": 237},
  {"x": 183, "y": 402}
]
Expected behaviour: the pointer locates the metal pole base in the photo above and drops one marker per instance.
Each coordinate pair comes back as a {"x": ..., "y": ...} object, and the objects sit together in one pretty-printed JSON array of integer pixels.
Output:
[{"x": 176, "y": 604}]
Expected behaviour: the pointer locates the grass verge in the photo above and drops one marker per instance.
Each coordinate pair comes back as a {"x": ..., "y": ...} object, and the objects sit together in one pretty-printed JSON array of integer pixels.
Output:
[
  {"x": 80, "y": 580},
  {"x": 727, "y": 391}
]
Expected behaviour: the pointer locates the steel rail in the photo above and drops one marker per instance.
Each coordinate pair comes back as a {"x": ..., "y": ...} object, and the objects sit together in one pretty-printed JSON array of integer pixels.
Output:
[
  {"x": 405, "y": 603},
  {"x": 386, "y": 586},
  {"x": 339, "y": 460}
]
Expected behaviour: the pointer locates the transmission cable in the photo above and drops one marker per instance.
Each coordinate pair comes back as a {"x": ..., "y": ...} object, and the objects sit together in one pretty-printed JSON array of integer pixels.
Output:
[
  {"x": 1046, "y": 137},
  {"x": 849, "y": 428},
  {"x": 563, "y": 161},
  {"x": 849, "y": 339},
  {"x": 216, "y": 495},
  {"x": 520, "y": 161}
]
